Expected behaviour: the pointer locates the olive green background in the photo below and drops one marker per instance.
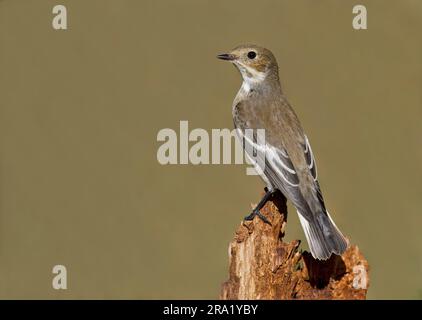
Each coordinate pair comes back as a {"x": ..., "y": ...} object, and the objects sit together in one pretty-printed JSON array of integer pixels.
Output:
[{"x": 80, "y": 110}]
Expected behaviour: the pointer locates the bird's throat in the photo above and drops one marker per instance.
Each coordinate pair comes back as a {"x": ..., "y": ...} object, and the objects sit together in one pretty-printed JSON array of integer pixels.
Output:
[
  {"x": 252, "y": 81},
  {"x": 257, "y": 81}
]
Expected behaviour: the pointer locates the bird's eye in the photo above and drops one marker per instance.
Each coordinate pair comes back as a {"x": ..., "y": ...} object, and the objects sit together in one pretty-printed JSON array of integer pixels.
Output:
[{"x": 251, "y": 55}]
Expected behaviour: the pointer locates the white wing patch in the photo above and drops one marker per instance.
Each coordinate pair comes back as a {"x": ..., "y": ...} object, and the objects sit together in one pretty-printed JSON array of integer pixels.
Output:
[
  {"x": 278, "y": 159},
  {"x": 281, "y": 163},
  {"x": 310, "y": 159}
]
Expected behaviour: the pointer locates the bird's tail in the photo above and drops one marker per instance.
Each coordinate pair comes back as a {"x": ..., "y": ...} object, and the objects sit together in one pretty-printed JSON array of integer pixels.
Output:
[{"x": 324, "y": 238}]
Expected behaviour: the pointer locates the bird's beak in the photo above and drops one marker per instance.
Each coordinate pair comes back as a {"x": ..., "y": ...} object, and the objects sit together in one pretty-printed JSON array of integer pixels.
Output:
[{"x": 226, "y": 56}]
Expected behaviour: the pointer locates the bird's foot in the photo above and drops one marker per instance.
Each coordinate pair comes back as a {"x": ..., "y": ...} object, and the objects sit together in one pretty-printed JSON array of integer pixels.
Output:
[
  {"x": 259, "y": 214},
  {"x": 260, "y": 205}
]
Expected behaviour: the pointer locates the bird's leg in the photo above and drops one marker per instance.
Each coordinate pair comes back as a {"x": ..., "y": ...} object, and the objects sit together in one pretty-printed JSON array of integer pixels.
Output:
[{"x": 260, "y": 205}]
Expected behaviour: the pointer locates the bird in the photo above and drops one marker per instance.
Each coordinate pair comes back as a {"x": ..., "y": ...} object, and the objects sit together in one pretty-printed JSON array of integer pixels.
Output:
[{"x": 289, "y": 164}]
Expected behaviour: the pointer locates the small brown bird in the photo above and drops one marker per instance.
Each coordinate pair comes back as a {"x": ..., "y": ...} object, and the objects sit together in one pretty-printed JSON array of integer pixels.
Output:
[{"x": 289, "y": 164}]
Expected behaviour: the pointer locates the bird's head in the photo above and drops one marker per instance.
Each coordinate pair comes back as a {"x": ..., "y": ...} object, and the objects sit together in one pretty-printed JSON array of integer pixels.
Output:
[{"x": 255, "y": 63}]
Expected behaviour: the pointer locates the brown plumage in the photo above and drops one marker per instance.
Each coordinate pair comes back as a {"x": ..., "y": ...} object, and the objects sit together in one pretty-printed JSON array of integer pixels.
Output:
[{"x": 289, "y": 163}]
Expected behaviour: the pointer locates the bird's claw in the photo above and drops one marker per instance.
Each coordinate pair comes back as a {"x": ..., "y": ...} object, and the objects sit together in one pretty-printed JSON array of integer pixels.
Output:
[{"x": 259, "y": 214}]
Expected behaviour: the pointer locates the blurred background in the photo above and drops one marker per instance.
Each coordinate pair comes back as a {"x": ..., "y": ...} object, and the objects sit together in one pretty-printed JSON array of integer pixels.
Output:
[{"x": 80, "y": 111}]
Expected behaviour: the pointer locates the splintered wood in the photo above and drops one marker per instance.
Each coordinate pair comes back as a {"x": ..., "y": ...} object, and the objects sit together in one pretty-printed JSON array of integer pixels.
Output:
[{"x": 263, "y": 266}]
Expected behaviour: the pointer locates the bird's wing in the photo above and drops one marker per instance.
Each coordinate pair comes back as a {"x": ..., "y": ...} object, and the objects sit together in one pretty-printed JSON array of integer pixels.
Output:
[
  {"x": 281, "y": 173},
  {"x": 276, "y": 167},
  {"x": 289, "y": 164},
  {"x": 310, "y": 159},
  {"x": 279, "y": 160}
]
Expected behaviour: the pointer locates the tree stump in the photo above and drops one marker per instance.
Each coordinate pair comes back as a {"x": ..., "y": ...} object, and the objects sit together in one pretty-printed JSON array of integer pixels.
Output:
[{"x": 263, "y": 266}]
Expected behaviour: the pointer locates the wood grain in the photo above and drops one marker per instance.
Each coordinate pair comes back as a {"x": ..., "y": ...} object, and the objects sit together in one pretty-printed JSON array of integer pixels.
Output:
[{"x": 263, "y": 266}]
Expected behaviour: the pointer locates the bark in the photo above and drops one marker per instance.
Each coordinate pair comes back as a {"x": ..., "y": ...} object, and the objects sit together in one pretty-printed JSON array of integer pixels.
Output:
[{"x": 263, "y": 266}]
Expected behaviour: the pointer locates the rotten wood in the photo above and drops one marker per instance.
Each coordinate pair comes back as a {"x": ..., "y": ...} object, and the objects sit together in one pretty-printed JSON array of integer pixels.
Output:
[{"x": 263, "y": 266}]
